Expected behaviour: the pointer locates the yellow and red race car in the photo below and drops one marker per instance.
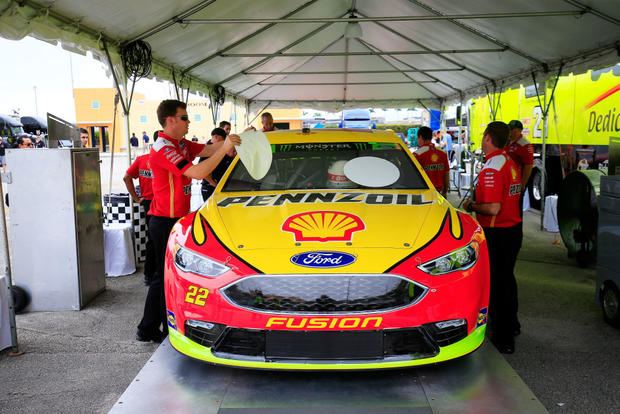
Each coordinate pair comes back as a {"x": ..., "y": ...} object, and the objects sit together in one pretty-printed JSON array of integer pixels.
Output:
[{"x": 343, "y": 256}]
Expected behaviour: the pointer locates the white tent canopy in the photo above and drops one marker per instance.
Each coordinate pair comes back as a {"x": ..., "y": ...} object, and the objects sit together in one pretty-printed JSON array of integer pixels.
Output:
[{"x": 295, "y": 53}]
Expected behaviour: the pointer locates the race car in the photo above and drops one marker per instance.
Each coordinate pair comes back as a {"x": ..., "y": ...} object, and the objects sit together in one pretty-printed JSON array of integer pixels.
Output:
[{"x": 342, "y": 257}]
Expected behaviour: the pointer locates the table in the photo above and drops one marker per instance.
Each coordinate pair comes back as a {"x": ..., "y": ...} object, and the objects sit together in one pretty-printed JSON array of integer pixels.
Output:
[{"x": 118, "y": 248}]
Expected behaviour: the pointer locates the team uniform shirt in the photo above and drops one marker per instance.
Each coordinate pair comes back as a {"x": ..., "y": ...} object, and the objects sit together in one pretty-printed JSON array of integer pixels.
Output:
[
  {"x": 172, "y": 191},
  {"x": 499, "y": 182},
  {"x": 141, "y": 169},
  {"x": 435, "y": 163},
  {"x": 521, "y": 152}
]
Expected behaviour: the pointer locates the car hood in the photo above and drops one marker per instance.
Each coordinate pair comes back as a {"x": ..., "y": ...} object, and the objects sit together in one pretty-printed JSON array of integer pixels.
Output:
[{"x": 285, "y": 224}]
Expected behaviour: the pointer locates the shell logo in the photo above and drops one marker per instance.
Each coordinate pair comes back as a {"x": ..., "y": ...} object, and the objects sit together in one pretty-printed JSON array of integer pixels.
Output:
[
  {"x": 434, "y": 157},
  {"x": 514, "y": 173},
  {"x": 323, "y": 226}
]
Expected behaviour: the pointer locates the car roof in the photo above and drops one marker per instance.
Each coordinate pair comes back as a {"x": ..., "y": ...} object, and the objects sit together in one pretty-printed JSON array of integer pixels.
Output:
[{"x": 291, "y": 136}]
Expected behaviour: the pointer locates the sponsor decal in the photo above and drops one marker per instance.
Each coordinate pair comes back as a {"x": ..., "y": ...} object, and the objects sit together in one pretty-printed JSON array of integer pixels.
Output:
[
  {"x": 187, "y": 189},
  {"x": 297, "y": 322},
  {"x": 434, "y": 158},
  {"x": 172, "y": 321},
  {"x": 323, "y": 259},
  {"x": 482, "y": 317},
  {"x": 513, "y": 172},
  {"x": 329, "y": 197},
  {"x": 323, "y": 226},
  {"x": 145, "y": 173},
  {"x": 434, "y": 167},
  {"x": 515, "y": 189}
]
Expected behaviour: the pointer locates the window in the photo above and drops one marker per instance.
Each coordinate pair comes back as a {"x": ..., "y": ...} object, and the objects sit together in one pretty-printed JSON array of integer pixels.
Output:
[
  {"x": 197, "y": 118},
  {"x": 143, "y": 119},
  {"x": 95, "y": 104},
  {"x": 304, "y": 166},
  {"x": 233, "y": 117}
]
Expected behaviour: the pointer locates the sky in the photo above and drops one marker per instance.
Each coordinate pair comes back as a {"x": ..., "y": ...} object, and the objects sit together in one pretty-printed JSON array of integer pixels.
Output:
[{"x": 40, "y": 78}]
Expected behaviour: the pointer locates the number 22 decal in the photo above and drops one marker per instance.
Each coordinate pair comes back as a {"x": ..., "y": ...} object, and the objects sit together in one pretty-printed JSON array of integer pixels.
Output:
[{"x": 196, "y": 295}]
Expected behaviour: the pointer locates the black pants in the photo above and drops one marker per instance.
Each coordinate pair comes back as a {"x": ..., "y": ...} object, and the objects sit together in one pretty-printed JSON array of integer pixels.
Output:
[
  {"x": 206, "y": 190},
  {"x": 149, "y": 264},
  {"x": 504, "y": 245},
  {"x": 155, "y": 305}
]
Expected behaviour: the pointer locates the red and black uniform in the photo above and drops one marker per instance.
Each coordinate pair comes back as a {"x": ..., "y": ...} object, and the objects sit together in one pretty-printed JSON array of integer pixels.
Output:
[
  {"x": 141, "y": 169},
  {"x": 500, "y": 182},
  {"x": 169, "y": 159},
  {"x": 522, "y": 153},
  {"x": 435, "y": 163}
]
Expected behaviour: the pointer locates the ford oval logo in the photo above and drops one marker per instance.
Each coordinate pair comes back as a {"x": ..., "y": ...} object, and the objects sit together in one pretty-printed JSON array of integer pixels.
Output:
[{"x": 323, "y": 259}]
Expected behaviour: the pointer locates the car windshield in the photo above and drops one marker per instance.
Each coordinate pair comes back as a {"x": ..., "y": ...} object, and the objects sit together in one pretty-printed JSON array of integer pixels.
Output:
[{"x": 333, "y": 165}]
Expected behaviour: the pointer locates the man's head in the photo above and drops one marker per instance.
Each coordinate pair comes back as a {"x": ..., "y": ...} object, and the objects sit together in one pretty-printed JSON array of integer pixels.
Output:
[
  {"x": 494, "y": 137},
  {"x": 516, "y": 129},
  {"x": 217, "y": 135},
  {"x": 24, "y": 142},
  {"x": 225, "y": 125},
  {"x": 425, "y": 135},
  {"x": 172, "y": 115},
  {"x": 267, "y": 121},
  {"x": 143, "y": 132},
  {"x": 84, "y": 137}
]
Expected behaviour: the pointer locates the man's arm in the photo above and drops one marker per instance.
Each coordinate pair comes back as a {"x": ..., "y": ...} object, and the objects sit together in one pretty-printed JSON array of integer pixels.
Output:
[
  {"x": 446, "y": 184},
  {"x": 132, "y": 190},
  {"x": 209, "y": 150},
  {"x": 206, "y": 167},
  {"x": 487, "y": 209},
  {"x": 525, "y": 174}
]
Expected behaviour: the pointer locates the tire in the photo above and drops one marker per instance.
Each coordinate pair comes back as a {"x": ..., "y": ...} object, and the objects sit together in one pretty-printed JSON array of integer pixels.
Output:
[
  {"x": 610, "y": 304},
  {"x": 534, "y": 189},
  {"x": 21, "y": 298}
]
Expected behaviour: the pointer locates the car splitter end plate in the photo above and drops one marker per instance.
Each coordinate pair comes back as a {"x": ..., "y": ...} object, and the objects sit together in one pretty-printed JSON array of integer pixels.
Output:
[{"x": 480, "y": 382}]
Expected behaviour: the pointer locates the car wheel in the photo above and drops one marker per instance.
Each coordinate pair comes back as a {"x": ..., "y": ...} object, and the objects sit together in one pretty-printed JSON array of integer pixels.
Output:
[
  {"x": 534, "y": 187},
  {"x": 610, "y": 303},
  {"x": 21, "y": 298}
]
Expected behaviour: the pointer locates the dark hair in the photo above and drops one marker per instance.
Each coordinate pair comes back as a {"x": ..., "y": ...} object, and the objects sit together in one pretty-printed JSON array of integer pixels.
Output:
[
  {"x": 515, "y": 123},
  {"x": 219, "y": 131},
  {"x": 223, "y": 124},
  {"x": 83, "y": 131},
  {"x": 426, "y": 133},
  {"x": 168, "y": 108},
  {"x": 20, "y": 140},
  {"x": 266, "y": 115},
  {"x": 498, "y": 131},
  {"x": 156, "y": 135}
]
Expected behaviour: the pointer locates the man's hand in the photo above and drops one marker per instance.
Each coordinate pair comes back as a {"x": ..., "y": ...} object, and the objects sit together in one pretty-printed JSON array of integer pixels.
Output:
[
  {"x": 211, "y": 181},
  {"x": 138, "y": 199},
  {"x": 250, "y": 128},
  {"x": 467, "y": 204},
  {"x": 231, "y": 141}
]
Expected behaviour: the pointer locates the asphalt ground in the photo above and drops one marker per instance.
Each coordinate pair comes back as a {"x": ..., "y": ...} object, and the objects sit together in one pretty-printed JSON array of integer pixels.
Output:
[{"x": 82, "y": 361}]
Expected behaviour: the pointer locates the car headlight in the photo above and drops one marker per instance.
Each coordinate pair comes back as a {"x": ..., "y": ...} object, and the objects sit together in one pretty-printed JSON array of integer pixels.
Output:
[
  {"x": 460, "y": 259},
  {"x": 192, "y": 262}
]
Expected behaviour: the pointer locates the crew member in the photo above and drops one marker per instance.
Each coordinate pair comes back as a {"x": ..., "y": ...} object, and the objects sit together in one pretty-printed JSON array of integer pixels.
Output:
[
  {"x": 521, "y": 151},
  {"x": 267, "y": 121},
  {"x": 497, "y": 209},
  {"x": 171, "y": 162},
  {"x": 434, "y": 161},
  {"x": 141, "y": 169},
  {"x": 225, "y": 125}
]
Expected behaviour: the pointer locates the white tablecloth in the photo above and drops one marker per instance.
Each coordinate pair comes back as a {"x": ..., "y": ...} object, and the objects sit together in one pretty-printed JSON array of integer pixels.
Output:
[
  {"x": 119, "y": 251},
  {"x": 550, "y": 220},
  {"x": 5, "y": 327}
]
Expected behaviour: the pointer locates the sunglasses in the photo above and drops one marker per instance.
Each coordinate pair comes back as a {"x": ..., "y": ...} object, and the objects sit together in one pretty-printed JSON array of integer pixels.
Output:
[
  {"x": 30, "y": 145},
  {"x": 183, "y": 117}
]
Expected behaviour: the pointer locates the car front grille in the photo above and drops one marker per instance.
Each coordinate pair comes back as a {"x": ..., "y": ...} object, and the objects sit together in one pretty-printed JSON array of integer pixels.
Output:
[
  {"x": 414, "y": 343},
  {"x": 324, "y": 294}
]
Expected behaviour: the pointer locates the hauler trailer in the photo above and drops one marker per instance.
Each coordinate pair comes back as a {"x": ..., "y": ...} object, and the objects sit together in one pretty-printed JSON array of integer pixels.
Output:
[{"x": 583, "y": 116}]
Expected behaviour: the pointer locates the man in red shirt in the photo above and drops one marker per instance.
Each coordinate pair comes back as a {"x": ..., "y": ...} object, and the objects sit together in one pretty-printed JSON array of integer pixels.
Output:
[
  {"x": 267, "y": 120},
  {"x": 521, "y": 151},
  {"x": 497, "y": 209},
  {"x": 434, "y": 161},
  {"x": 141, "y": 169},
  {"x": 171, "y": 162}
]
